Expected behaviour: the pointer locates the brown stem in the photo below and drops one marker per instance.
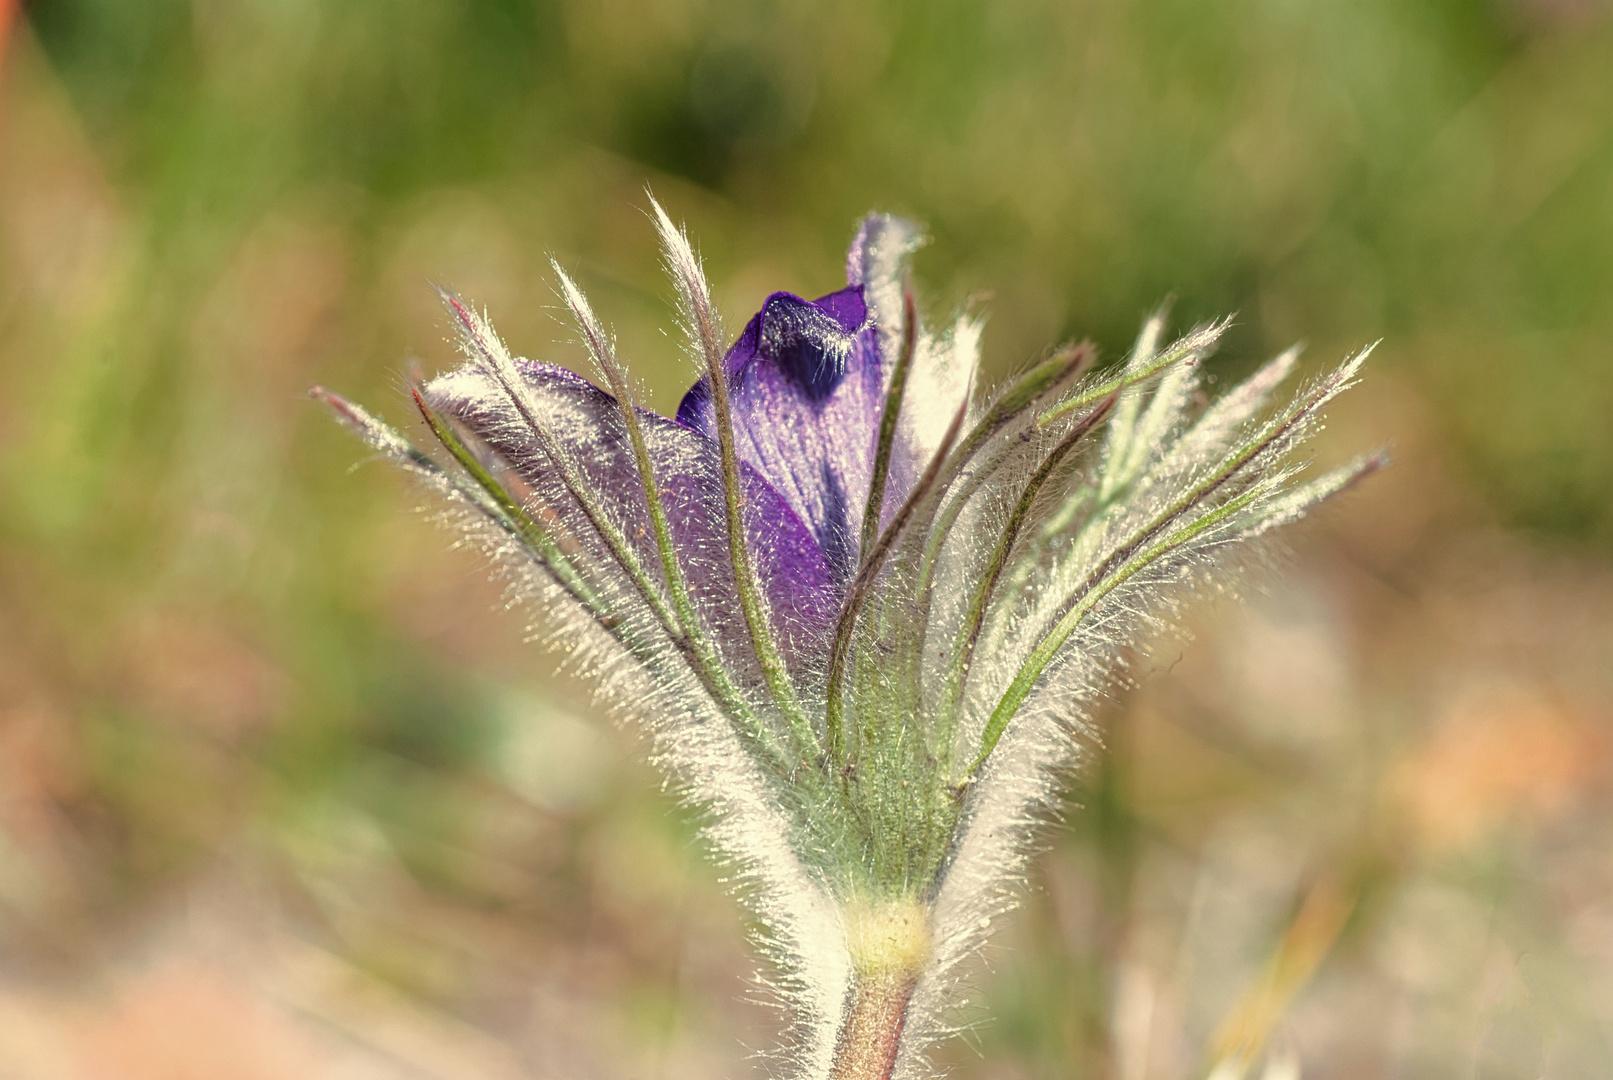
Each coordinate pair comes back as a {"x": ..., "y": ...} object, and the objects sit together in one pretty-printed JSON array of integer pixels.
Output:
[{"x": 872, "y": 1029}]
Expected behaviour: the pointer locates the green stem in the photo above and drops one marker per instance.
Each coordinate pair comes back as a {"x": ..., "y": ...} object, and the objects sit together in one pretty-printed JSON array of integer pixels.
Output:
[
  {"x": 1124, "y": 561},
  {"x": 887, "y": 425},
  {"x": 1127, "y": 377},
  {"x": 517, "y": 519},
  {"x": 862, "y": 586},
  {"x": 702, "y": 656},
  {"x": 974, "y": 617},
  {"x": 519, "y": 394},
  {"x": 1049, "y": 646},
  {"x": 706, "y": 332}
]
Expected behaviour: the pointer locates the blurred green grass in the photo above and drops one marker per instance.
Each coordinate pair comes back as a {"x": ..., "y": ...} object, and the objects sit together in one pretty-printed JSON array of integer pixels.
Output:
[{"x": 223, "y": 654}]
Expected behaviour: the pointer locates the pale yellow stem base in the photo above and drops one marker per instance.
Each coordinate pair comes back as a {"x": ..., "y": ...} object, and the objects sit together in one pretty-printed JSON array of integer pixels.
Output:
[{"x": 889, "y": 942}]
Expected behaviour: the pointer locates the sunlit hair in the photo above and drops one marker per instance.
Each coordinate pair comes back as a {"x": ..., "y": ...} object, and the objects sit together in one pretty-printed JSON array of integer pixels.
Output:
[{"x": 864, "y": 609}]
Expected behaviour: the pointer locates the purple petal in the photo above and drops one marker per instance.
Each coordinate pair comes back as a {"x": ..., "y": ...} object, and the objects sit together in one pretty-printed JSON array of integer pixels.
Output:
[
  {"x": 587, "y": 423},
  {"x": 806, "y": 386}
]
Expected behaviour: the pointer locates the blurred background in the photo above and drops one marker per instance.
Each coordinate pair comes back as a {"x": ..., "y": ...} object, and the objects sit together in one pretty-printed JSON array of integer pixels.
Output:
[{"x": 284, "y": 794}]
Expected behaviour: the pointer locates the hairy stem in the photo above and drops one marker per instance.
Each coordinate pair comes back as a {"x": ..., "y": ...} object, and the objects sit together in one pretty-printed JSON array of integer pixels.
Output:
[
  {"x": 871, "y": 1033},
  {"x": 706, "y": 335},
  {"x": 887, "y": 427},
  {"x": 863, "y": 584},
  {"x": 889, "y": 943},
  {"x": 974, "y": 618},
  {"x": 694, "y": 644}
]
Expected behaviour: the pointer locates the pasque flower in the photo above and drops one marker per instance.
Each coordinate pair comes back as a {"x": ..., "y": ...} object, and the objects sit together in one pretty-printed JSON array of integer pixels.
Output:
[{"x": 863, "y": 608}]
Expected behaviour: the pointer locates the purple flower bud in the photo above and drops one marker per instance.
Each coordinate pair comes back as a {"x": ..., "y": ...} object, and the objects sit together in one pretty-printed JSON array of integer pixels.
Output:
[
  {"x": 808, "y": 386},
  {"x": 861, "y": 612}
]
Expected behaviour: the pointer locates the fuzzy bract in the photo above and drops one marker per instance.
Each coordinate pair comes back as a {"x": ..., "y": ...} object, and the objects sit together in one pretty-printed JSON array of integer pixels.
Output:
[{"x": 864, "y": 609}]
